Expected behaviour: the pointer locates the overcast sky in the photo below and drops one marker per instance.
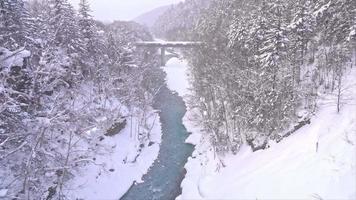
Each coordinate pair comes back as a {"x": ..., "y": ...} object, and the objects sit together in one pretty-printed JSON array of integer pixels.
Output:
[{"x": 109, "y": 10}]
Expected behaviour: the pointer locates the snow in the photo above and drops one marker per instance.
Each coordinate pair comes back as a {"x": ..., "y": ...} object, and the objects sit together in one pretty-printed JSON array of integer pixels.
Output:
[
  {"x": 170, "y": 43},
  {"x": 177, "y": 71},
  {"x": 113, "y": 173},
  {"x": 178, "y": 80},
  {"x": 352, "y": 33},
  {"x": 16, "y": 58},
  {"x": 3, "y": 192},
  {"x": 177, "y": 76},
  {"x": 321, "y": 10},
  {"x": 159, "y": 43},
  {"x": 300, "y": 167},
  {"x": 317, "y": 162},
  {"x": 96, "y": 181}
]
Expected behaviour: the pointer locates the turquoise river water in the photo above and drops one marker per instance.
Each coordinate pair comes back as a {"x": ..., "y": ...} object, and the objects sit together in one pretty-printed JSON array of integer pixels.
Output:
[{"x": 163, "y": 180}]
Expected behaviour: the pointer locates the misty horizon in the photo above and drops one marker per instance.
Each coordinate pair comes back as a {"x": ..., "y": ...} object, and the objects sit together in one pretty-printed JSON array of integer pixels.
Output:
[{"x": 111, "y": 10}]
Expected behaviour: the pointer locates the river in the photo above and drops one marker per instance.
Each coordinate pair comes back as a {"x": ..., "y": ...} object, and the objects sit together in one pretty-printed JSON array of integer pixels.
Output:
[{"x": 163, "y": 180}]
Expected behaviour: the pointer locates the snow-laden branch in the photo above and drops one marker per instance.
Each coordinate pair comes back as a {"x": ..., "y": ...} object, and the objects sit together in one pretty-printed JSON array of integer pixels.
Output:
[{"x": 14, "y": 151}]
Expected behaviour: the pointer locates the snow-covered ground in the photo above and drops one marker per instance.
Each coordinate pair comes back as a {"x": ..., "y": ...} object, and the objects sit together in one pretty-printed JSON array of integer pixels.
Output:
[
  {"x": 115, "y": 169},
  {"x": 177, "y": 71},
  {"x": 177, "y": 76},
  {"x": 317, "y": 162}
]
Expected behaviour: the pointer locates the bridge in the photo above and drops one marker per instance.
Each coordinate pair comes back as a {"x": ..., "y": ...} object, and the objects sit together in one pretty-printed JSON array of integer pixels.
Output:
[{"x": 164, "y": 45}]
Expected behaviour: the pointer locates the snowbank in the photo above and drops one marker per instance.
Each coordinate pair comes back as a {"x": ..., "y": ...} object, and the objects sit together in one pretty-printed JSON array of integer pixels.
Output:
[
  {"x": 3, "y": 192},
  {"x": 177, "y": 76},
  {"x": 117, "y": 167},
  {"x": 178, "y": 80},
  {"x": 317, "y": 162}
]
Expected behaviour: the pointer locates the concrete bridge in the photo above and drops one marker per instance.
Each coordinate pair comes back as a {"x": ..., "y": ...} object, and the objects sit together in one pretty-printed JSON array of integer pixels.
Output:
[{"x": 164, "y": 45}]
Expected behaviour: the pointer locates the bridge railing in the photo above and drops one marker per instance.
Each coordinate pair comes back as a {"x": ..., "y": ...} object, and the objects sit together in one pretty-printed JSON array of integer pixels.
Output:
[
  {"x": 164, "y": 45},
  {"x": 178, "y": 44}
]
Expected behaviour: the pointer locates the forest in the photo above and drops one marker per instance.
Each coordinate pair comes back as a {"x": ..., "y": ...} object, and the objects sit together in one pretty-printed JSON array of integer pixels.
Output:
[
  {"x": 261, "y": 73},
  {"x": 63, "y": 73},
  {"x": 264, "y": 65}
]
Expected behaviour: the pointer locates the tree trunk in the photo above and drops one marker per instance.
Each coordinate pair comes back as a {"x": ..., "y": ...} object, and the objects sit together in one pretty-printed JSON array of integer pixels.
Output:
[{"x": 339, "y": 94}]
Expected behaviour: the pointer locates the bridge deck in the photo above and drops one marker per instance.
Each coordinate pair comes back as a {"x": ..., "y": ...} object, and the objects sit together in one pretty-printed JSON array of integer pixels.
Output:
[
  {"x": 164, "y": 45},
  {"x": 168, "y": 44}
]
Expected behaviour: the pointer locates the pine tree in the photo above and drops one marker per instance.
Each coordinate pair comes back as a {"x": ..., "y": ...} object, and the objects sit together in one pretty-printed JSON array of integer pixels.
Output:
[
  {"x": 301, "y": 33},
  {"x": 64, "y": 26},
  {"x": 87, "y": 28},
  {"x": 39, "y": 13},
  {"x": 14, "y": 24},
  {"x": 277, "y": 92}
]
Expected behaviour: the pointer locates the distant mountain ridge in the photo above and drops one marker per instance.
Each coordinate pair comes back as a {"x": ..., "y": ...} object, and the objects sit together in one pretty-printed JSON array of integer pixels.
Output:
[{"x": 149, "y": 18}]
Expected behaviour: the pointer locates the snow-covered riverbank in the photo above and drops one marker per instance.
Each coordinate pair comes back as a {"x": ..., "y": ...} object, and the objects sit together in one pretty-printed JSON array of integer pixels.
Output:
[
  {"x": 178, "y": 81},
  {"x": 166, "y": 174},
  {"x": 197, "y": 165},
  {"x": 317, "y": 162},
  {"x": 119, "y": 164},
  {"x": 111, "y": 175}
]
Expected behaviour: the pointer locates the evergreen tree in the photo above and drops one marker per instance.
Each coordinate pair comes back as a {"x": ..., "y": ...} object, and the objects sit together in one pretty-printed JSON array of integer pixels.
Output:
[
  {"x": 64, "y": 26},
  {"x": 14, "y": 24},
  {"x": 87, "y": 29},
  {"x": 301, "y": 33},
  {"x": 275, "y": 77}
]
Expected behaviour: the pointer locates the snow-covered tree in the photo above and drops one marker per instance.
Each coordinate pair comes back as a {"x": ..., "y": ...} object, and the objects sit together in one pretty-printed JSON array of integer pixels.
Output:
[
  {"x": 301, "y": 31},
  {"x": 87, "y": 28},
  {"x": 260, "y": 60},
  {"x": 48, "y": 100},
  {"x": 14, "y": 24}
]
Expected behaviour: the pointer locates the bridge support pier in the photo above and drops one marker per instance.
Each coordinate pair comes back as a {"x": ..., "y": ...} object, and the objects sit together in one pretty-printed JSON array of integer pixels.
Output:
[
  {"x": 161, "y": 46},
  {"x": 163, "y": 56}
]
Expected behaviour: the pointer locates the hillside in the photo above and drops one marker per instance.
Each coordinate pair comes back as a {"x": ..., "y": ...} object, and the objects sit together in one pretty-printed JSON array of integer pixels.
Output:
[
  {"x": 149, "y": 18},
  {"x": 316, "y": 162}
]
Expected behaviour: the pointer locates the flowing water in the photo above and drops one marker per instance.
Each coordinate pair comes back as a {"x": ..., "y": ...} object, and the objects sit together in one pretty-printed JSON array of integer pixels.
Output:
[{"x": 163, "y": 180}]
